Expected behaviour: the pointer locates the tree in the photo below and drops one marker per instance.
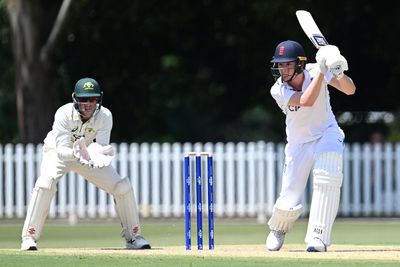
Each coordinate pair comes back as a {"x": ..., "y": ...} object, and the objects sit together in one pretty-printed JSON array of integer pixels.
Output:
[{"x": 35, "y": 26}]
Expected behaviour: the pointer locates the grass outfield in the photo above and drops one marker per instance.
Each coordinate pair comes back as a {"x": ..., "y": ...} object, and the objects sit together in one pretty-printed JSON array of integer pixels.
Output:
[{"x": 237, "y": 243}]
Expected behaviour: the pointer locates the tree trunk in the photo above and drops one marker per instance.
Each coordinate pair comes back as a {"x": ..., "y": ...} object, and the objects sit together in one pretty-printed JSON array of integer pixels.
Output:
[
  {"x": 36, "y": 92},
  {"x": 36, "y": 81}
]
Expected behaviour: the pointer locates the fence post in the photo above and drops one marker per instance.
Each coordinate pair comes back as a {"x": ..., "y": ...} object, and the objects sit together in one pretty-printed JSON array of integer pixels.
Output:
[
  {"x": 356, "y": 185},
  {"x": 241, "y": 178},
  {"x": 155, "y": 209},
  {"x": 9, "y": 181},
  {"x": 367, "y": 185},
  {"x": 260, "y": 157},
  {"x": 251, "y": 179},
  {"x": 177, "y": 199},
  {"x": 230, "y": 179},
  {"x": 145, "y": 179},
  {"x": 1, "y": 182},
  {"x": 219, "y": 181},
  {"x": 166, "y": 157},
  {"x": 389, "y": 180},
  {"x": 134, "y": 170},
  {"x": 377, "y": 178},
  {"x": 19, "y": 180},
  {"x": 271, "y": 174}
]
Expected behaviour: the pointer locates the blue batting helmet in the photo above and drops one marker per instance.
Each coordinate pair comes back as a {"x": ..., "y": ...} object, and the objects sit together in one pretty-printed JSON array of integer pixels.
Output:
[{"x": 289, "y": 51}]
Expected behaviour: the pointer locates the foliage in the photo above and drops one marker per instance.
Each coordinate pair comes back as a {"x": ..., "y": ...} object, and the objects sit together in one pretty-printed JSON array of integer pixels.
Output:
[
  {"x": 199, "y": 70},
  {"x": 8, "y": 118},
  {"x": 394, "y": 132}
]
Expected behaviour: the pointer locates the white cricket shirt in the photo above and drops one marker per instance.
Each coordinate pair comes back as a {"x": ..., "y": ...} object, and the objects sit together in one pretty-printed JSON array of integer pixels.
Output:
[
  {"x": 68, "y": 127},
  {"x": 305, "y": 124}
]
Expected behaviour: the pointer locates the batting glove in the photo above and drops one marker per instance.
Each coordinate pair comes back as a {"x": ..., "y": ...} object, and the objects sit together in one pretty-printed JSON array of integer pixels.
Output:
[
  {"x": 325, "y": 57},
  {"x": 321, "y": 60},
  {"x": 337, "y": 65}
]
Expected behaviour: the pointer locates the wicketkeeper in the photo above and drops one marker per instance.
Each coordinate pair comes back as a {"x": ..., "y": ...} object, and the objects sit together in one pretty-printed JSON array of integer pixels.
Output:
[
  {"x": 80, "y": 141},
  {"x": 314, "y": 140}
]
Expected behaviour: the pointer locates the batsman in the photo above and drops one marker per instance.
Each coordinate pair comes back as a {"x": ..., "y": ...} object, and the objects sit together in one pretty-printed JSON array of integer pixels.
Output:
[
  {"x": 315, "y": 142},
  {"x": 80, "y": 141}
]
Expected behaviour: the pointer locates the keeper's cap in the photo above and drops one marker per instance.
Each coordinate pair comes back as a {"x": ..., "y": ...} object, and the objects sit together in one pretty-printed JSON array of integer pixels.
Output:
[
  {"x": 87, "y": 87},
  {"x": 288, "y": 51}
]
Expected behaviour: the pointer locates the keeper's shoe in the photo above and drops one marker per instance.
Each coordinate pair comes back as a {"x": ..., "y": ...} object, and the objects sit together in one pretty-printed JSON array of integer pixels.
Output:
[
  {"x": 138, "y": 243},
  {"x": 275, "y": 240},
  {"x": 316, "y": 245},
  {"x": 28, "y": 243}
]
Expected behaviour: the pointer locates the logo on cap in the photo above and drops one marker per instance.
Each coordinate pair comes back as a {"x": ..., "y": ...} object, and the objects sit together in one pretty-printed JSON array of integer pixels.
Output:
[
  {"x": 281, "y": 50},
  {"x": 88, "y": 86}
]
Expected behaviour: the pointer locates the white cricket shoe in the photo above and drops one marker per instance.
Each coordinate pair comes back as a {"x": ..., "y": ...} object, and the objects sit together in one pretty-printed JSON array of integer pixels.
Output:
[
  {"x": 316, "y": 245},
  {"x": 138, "y": 243},
  {"x": 28, "y": 243},
  {"x": 275, "y": 240}
]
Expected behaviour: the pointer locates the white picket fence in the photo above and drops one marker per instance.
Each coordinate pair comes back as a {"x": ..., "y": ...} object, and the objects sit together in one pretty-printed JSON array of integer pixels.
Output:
[{"x": 247, "y": 180}]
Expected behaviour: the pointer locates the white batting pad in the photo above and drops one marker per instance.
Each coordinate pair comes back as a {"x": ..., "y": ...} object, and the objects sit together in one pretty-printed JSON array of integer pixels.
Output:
[
  {"x": 328, "y": 177},
  {"x": 125, "y": 205},
  {"x": 38, "y": 209},
  {"x": 283, "y": 218}
]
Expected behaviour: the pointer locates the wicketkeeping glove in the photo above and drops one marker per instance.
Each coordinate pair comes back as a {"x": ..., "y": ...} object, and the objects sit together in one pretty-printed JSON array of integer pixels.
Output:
[
  {"x": 80, "y": 151},
  {"x": 100, "y": 156}
]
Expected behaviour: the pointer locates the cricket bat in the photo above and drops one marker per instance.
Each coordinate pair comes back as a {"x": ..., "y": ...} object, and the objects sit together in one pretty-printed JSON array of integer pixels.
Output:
[{"x": 310, "y": 28}]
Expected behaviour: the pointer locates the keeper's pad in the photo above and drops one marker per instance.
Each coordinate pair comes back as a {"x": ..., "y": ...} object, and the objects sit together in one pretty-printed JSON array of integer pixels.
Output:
[
  {"x": 328, "y": 177},
  {"x": 38, "y": 208},
  {"x": 283, "y": 218},
  {"x": 125, "y": 205}
]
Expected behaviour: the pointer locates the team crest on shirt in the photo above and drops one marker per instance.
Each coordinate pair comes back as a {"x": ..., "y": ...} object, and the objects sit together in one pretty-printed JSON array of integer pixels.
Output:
[
  {"x": 89, "y": 130},
  {"x": 293, "y": 108}
]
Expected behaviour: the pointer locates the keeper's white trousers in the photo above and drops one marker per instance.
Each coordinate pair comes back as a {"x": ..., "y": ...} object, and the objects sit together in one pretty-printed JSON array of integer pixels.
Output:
[
  {"x": 106, "y": 178},
  {"x": 52, "y": 168}
]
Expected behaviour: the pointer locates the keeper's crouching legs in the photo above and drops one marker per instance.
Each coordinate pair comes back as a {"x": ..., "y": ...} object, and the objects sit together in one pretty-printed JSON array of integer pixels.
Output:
[
  {"x": 37, "y": 212},
  {"x": 328, "y": 177},
  {"x": 280, "y": 223},
  {"x": 127, "y": 210}
]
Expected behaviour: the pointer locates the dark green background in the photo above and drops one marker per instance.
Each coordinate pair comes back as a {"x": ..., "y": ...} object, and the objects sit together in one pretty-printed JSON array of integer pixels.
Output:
[{"x": 199, "y": 70}]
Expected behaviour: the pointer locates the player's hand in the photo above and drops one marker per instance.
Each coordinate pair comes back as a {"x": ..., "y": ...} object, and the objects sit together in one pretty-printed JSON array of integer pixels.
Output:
[
  {"x": 322, "y": 66},
  {"x": 321, "y": 60},
  {"x": 80, "y": 151},
  {"x": 337, "y": 65}
]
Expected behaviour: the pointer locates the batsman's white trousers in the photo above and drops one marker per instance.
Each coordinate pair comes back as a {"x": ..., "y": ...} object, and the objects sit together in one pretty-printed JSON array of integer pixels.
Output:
[{"x": 299, "y": 161}]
